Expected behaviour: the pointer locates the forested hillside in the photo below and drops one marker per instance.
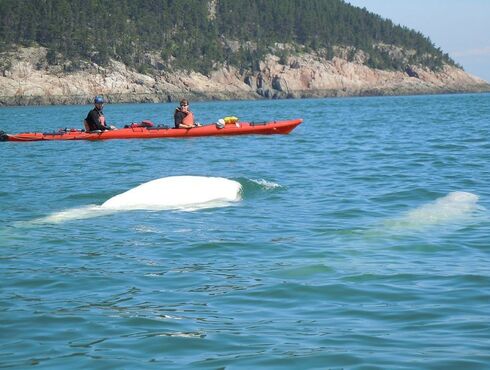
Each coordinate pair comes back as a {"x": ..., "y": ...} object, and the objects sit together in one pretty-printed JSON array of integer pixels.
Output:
[{"x": 202, "y": 35}]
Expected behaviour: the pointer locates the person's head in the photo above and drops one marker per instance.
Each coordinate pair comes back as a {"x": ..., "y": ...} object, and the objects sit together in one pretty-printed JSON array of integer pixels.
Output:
[
  {"x": 184, "y": 104},
  {"x": 99, "y": 101}
]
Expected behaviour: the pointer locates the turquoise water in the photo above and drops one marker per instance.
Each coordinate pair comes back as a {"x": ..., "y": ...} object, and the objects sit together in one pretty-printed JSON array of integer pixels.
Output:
[{"x": 360, "y": 241}]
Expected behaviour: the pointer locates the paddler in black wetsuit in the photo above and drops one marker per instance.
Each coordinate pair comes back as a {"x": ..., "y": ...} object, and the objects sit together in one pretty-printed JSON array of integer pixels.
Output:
[{"x": 95, "y": 118}]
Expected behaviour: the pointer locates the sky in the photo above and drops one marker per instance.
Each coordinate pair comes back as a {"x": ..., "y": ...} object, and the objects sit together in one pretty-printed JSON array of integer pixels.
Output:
[{"x": 460, "y": 28}]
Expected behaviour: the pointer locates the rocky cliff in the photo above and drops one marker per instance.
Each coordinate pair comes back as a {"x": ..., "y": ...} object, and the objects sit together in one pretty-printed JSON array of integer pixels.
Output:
[{"x": 26, "y": 78}]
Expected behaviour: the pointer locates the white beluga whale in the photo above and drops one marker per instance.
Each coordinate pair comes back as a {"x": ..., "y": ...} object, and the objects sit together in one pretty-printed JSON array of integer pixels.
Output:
[
  {"x": 185, "y": 193},
  {"x": 177, "y": 192},
  {"x": 454, "y": 207}
]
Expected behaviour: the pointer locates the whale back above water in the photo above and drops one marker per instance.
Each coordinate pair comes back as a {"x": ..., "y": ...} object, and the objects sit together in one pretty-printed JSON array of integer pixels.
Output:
[
  {"x": 187, "y": 193},
  {"x": 176, "y": 192}
]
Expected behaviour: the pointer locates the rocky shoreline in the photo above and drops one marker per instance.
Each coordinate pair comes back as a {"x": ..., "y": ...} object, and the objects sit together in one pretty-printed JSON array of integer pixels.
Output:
[{"x": 27, "y": 79}]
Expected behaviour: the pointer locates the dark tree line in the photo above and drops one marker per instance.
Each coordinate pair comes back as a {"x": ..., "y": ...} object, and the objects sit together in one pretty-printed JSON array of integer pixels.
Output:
[{"x": 193, "y": 34}]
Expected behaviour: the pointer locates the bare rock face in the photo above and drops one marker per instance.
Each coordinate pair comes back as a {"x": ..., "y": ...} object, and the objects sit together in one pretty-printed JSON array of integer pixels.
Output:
[{"x": 26, "y": 78}]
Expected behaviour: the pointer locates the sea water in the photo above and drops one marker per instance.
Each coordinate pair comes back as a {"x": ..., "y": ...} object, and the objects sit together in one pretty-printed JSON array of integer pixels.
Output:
[{"x": 359, "y": 241}]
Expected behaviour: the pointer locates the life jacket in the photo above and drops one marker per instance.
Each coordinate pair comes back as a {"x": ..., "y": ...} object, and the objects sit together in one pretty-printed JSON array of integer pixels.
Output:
[
  {"x": 188, "y": 119},
  {"x": 102, "y": 118}
]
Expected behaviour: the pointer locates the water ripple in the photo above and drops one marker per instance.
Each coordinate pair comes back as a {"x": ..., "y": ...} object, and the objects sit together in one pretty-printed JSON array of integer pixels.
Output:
[{"x": 348, "y": 249}]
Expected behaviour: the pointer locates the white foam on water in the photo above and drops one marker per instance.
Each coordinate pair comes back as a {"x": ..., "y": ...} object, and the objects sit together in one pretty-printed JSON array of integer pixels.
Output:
[
  {"x": 454, "y": 207},
  {"x": 186, "y": 193},
  {"x": 266, "y": 184}
]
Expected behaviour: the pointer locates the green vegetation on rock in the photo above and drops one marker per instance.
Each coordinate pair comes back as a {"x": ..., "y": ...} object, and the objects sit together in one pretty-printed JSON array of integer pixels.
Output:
[{"x": 157, "y": 35}]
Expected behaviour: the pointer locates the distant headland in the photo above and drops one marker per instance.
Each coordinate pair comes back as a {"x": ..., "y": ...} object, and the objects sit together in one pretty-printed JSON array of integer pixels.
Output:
[{"x": 61, "y": 52}]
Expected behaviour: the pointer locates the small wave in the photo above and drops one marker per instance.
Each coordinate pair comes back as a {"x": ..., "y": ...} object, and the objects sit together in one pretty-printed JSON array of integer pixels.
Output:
[
  {"x": 251, "y": 188},
  {"x": 266, "y": 184}
]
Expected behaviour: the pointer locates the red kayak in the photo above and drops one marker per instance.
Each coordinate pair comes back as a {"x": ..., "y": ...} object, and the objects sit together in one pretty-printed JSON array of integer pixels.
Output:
[{"x": 141, "y": 131}]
